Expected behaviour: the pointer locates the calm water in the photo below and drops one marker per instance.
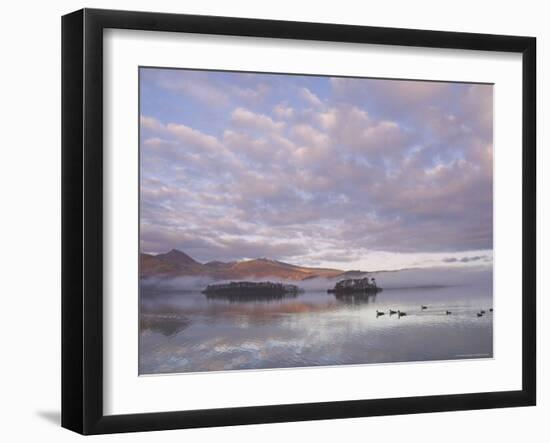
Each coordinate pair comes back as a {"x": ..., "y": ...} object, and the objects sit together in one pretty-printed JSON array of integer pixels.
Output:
[{"x": 188, "y": 332}]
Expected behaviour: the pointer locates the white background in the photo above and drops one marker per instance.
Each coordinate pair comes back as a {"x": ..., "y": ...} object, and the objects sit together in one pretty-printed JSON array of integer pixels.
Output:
[
  {"x": 30, "y": 222},
  {"x": 127, "y": 393}
]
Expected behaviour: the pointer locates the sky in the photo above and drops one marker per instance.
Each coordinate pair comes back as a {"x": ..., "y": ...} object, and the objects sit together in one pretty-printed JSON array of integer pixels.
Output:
[{"x": 347, "y": 173}]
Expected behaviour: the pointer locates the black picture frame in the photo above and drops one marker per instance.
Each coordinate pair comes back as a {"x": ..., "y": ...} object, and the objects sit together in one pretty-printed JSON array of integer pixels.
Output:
[{"x": 82, "y": 220}]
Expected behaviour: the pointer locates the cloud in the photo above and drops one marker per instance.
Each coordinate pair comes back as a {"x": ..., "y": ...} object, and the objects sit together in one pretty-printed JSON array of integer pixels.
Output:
[
  {"x": 157, "y": 142},
  {"x": 310, "y": 136},
  {"x": 310, "y": 97},
  {"x": 263, "y": 150},
  {"x": 260, "y": 122},
  {"x": 179, "y": 131},
  {"x": 387, "y": 166},
  {"x": 192, "y": 136},
  {"x": 151, "y": 124},
  {"x": 209, "y": 88},
  {"x": 251, "y": 94},
  {"x": 395, "y": 97},
  {"x": 196, "y": 86},
  {"x": 477, "y": 110},
  {"x": 283, "y": 111},
  {"x": 466, "y": 259},
  {"x": 170, "y": 151}
]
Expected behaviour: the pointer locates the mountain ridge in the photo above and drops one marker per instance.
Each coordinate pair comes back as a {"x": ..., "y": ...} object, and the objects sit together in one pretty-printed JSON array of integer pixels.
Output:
[{"x": 176, "y": 263}]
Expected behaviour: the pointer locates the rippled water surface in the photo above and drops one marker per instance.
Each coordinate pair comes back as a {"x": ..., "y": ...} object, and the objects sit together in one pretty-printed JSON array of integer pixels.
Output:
[{"x": 184, "y": 331}]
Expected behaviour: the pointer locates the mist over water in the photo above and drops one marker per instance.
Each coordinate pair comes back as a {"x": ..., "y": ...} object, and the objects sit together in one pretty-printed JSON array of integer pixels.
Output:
[{"x": 183, "y": 330}]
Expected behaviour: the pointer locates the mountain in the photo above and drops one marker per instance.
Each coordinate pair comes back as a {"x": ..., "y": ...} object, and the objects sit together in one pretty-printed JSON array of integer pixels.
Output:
[
  {"x": 178, "y": 264},
  {"x": 178, "y": 257},
  {"x": 172, "y": 263},
  {"x": 263, "y": 267}
]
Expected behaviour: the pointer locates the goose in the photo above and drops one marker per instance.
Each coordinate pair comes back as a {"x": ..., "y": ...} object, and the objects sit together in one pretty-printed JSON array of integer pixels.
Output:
[
  {"x": 448, "y": 312},
  {"x": 392, "y": 312},
  {"x": 423, "y": 307},
  {"x": 479, "y": 314},
  {"x": 491, "y": 310},
  {"x": 482, "y": 311},
  {"x": 401, "y": 314},
  {"x": 378, "y": 313}
]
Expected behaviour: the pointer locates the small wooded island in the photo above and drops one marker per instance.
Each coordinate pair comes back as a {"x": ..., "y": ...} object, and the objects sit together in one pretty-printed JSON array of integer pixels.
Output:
[
  {"x": 355, "y": 286},
  {"x": 269, "y": 289}
]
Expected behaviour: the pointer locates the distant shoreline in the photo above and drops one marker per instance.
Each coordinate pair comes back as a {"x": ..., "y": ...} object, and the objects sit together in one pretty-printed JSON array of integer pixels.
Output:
[
  {"x": 403, "y": 288},
  {"x": 304, "y": 290}
]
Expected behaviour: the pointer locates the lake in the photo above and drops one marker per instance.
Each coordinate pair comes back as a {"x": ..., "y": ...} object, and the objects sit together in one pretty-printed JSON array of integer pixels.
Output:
[{"x": 186, "y": 331}]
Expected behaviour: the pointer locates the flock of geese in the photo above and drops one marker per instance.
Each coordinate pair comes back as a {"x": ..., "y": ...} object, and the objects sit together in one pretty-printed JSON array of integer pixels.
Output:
[{"x": 400, "y": 314}]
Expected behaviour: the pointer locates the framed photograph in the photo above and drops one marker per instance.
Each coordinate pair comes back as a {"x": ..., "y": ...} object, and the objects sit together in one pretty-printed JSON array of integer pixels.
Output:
[{"x": 268, "y": 221}]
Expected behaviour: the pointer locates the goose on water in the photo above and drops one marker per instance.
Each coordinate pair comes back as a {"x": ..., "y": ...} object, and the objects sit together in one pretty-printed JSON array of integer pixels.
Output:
[
  {"x": 378, "y": 313},
  {"x": 392, "y": 312},
  {"x": 423, "y": 307},
  {"x": 448, "y": 312},
  {"x": 401, "y": 314},
  {"x": 479, "y": 314}
]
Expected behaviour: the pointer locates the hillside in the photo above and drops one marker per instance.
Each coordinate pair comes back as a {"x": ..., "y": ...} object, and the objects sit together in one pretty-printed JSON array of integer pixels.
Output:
[{"x": 177, "y": 264}]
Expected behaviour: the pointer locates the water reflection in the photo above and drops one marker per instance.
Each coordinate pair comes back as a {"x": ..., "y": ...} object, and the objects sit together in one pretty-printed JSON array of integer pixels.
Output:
[
  {"x": 355, "y": 299},
  {"x": 245, "y": 297},
  {"x": 167, "y": 325},
  {"x": 191, "y": 332}
]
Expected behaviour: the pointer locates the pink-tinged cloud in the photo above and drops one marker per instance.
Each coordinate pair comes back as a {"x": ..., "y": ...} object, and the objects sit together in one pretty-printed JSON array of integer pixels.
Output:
[{"x": 305, "y": 169}]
